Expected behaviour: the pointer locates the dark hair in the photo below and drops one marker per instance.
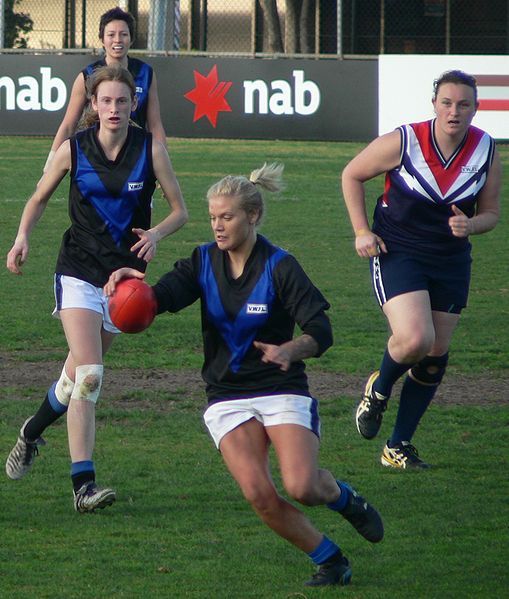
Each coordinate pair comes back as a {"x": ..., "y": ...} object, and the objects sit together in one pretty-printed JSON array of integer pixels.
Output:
[
  {"x": 117, "y": 14},
  {"x": 269, "y": 177},
  {"x": 108, "y": 73},
  {"x": 455, "y": 76}
]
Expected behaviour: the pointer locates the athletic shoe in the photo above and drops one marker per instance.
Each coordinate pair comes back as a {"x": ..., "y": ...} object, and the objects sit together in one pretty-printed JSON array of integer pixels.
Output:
[
  {"x": 90, "y": 497},
  {"x": 334, "y": 571},
  {"x": 363, "y": 517},
  {"x": 368, "y": 416},
  {"x": 403, "y": 456},
  {"x": 22, "y": 455}
]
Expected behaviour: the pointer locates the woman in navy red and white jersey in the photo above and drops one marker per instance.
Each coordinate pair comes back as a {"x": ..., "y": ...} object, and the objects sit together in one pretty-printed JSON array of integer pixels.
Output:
[
  {"x": 117, "y": 30},
  {"x": 442, "y": 185},
  {"x": 252, "y": 294},
  {"x": 113, "y": 170}
]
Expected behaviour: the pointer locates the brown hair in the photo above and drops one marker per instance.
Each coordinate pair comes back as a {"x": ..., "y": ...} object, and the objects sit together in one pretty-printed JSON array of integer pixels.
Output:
[
  {"x": 455, "y": 76},
  {"x": 108, "y": 73},
  {"x": 117, "y": 14}
]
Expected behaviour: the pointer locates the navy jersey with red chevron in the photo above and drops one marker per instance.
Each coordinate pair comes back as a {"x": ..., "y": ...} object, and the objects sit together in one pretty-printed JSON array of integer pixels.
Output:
[
  {"x": 413, "y": 212},
  {"x": 106, "y": 200},
  {"x": 142, "y": 74}
]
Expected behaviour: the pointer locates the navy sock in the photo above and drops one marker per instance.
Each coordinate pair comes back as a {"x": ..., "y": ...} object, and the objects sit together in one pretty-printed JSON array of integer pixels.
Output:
[
  {"x": 341, "y": 502},
  {"x": 325, "y": 550},
  {"x": 414, "y": 401},
  {"x": 49, "y": 411},
  {"x": 81, "y": 473},
  {"x": 390, "y": 372}
]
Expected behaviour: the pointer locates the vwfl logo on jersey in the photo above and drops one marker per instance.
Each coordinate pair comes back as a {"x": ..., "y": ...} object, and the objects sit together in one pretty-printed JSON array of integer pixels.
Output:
[
  {"x": 470, "y": 168},
  {"x": 257, "y": 309},
  {"x": 135, "y": 186}
]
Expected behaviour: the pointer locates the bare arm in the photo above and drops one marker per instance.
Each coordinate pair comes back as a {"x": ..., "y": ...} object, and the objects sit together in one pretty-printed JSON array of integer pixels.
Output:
[
  {"x": 488, "y": 206},
  {"x": 36, "y": 205},
  {"x": 146, "y": 246},
  {"x": 299, "y": 348},
  {"x": 154, "y": 122},
  {"x": 380, "y": 156},
  {"x": 77, "y": 102}
]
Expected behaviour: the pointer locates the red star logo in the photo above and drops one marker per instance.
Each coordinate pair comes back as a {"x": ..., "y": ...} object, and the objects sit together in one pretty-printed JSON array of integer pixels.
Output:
[{"x": 208, "y": 96}]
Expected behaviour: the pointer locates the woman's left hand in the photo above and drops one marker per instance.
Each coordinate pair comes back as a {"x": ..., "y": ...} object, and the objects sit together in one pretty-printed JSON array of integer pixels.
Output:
[
  {"x": 460, "y": 224},
  {"x": 275, "y": 354},
  {"x": 147, "y": 245}
]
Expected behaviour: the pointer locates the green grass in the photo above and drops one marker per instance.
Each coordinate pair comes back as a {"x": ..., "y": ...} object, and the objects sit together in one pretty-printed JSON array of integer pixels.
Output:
[{"x": 180, "y": 527}]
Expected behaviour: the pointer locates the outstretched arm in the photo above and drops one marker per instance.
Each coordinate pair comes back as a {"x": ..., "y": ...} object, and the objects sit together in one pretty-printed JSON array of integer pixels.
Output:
[{"x": 35, "y": 207}]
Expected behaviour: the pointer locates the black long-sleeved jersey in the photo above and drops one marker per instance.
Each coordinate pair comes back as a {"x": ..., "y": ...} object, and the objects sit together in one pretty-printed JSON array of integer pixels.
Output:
[{"x": 272, "y": 295}]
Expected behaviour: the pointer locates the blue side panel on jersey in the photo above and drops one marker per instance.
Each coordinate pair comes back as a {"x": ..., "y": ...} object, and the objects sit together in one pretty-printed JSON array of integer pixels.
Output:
[
  {"x": 240, "y": 332},
  {"x": 115, "y": 212}
]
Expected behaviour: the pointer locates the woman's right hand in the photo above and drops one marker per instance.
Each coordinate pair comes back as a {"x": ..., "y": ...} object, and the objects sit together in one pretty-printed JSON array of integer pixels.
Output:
[
  {"x": 17, "y": 256},
  {"x": 368, "y": 245},
  {"x": 117, "y": 275}
]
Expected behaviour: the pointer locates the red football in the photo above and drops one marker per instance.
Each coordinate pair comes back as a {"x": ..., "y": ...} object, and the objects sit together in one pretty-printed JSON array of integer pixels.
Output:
[{"x": 133, "y": 306}]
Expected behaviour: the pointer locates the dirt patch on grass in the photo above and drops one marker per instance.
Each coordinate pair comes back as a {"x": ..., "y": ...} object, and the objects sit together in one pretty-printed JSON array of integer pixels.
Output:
[{"x": 27, "y": 380}]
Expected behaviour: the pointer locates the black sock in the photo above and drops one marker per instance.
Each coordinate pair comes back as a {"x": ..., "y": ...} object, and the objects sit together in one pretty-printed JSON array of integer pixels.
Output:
[{"x": 44, "y": 416}]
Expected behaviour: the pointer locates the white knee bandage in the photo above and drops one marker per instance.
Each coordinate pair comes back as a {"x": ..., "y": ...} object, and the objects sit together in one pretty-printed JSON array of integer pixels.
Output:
[
  {"x": 63, "y": 388},
  {"x": 88, "y": 382}
]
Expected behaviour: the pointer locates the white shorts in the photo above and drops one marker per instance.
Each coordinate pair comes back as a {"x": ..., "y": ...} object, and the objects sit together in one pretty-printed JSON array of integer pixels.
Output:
[
  {"x": 75, "y": 293},
  {"x": 223, "y": 416}
]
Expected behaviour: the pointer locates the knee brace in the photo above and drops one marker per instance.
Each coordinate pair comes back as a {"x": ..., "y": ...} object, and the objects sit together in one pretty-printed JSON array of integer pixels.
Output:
[
  {"x": 430, "y": 370},
  {"x": 88, "y": 382},
  {"x": 63, "y": 388}
]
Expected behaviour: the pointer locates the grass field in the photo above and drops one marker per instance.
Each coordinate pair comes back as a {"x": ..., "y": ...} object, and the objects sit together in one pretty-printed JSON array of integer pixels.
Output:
[{"x": 180, "y": 527}]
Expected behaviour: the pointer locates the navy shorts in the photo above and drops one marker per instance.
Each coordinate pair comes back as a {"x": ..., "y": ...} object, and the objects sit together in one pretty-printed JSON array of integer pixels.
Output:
[{"x": 446, "y": 278}]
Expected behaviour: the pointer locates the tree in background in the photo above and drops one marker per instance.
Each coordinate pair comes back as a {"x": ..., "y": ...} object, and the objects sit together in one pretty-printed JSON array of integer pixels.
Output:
[
  {"x": 298, "y": 26},
  {"x": 15, "y": 25}
]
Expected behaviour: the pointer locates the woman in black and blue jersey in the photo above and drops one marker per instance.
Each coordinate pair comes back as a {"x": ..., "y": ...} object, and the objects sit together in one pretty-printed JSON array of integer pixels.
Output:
[
  {"x": 442, "y": 185},
  {"x": 252, "y": 295},
  {"x": 117, "y": 29},
  {"x": 113, "y": 169}
]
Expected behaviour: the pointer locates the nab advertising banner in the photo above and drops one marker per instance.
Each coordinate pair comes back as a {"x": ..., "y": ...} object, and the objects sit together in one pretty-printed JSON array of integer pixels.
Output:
[
  {"x": 205, "y": 97},
  {"x": 406, "y": 89}
]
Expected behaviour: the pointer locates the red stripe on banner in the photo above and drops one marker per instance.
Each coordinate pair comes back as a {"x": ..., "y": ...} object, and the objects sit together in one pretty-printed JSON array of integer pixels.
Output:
[
  {"x": 493, "y": 104},
  {"x": 494, "y": 80}
]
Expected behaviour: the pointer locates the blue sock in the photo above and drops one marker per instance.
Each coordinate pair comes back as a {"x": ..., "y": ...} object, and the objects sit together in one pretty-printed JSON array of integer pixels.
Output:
[
  {"x": 390, "y": 372},
  {"x": 325, "y": 550},
  {"x": 414, "y": 401},
  {"x": 59, "y": 408},
  {"x": 84, "y": 466},
  {"x": 81, "y": 473},
  {"x": 341, "y": 502}
]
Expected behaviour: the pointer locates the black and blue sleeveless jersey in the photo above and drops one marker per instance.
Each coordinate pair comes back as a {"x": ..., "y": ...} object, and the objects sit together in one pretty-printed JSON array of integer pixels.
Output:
[
  {"x": 142, "y": 74},
  {"x": 106, "y": 200},
  {"x": 272, "y": 295}
]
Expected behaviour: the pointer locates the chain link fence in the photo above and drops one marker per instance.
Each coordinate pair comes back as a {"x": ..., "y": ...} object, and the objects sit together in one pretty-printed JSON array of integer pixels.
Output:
[{"x": 310, "y": 27}]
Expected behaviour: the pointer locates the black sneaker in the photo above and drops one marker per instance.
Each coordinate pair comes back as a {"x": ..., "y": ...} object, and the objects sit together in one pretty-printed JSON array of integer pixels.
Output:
[
  {"x": 21, "y": 458},
  {"x": 369, "y": 414},
  {"x": 90, "y": 497},
  {"x": 363, "y": 517},
  {"x": 403, "y": 456},
  {"x": 334, "y": 571}
]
